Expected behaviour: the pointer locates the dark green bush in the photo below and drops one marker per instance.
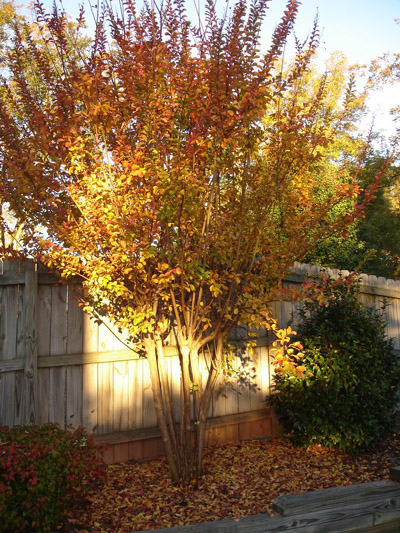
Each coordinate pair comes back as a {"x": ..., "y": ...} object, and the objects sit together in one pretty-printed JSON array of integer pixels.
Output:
[
  {"x": 349, "y": 400},
  {"x": 42, "y": 468}
]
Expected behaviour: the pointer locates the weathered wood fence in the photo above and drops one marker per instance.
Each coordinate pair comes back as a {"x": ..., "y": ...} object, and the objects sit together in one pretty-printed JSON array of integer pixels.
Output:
[{"x": 58, "y": 365}]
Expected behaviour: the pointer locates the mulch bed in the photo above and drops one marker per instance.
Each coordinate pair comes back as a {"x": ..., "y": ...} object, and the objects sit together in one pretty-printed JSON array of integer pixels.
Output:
[{"x": 241, "y": 479}]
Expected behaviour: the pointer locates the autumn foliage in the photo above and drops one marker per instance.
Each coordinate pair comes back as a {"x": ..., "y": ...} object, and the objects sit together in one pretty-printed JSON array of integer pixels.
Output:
[
  {"x": 43, "y": 470},
  {"x": 177, "y": 171}
]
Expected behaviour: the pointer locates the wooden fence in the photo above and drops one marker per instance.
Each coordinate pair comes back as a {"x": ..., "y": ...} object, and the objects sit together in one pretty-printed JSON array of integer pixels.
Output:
[{"x": 58, "y": 365}]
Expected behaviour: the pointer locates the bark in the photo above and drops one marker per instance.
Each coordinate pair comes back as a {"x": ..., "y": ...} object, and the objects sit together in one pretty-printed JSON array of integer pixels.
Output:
[
  {"x": 184, "y": 451},
  {"x": 186, "y": 431},
  {"x": 205, "y": 402},
  {"x": 150, "y": 348},
  {"x": 167, "y": 402}
]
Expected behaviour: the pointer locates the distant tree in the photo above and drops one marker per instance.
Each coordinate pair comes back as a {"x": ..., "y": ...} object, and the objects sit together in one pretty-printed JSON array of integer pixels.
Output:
[
  {"x": 371, "y": 244},
  {"x": 177, "y": 171}
]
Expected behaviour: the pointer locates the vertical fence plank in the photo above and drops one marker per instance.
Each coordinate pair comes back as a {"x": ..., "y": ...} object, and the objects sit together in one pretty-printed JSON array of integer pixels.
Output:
[
  {"x": 7, "y": 385},
  {"x": 58, "y": 340},
  {"x": 19, "y": 384},
  {"x": 44, "y": 325},
  {"x": 174, "y": 384},
  {"x": 149, "y": 416},
  {"x": 74, "y": 373},
  {"x": 58, "y": 346},
  {"x": 105, "y": 398},
  {"x": 231, "y": 402},
  {"x": 245, "y": 366},
  {"x": 90, "y": 376},
  {"x": 121, "y": 396},
  {"x": 8, "y": 322},
  {"x": 256, "y": 400},
  {"x": 11, "y": 382},
  {"x": 396, "y": 308},
  {"x": 89, "y": 397},
  {"x": 105, "y": 383},
  {"x": 135, "y": 397},
  {"x": 217, "y": 435},
  {"x": 30, "y": 367}
]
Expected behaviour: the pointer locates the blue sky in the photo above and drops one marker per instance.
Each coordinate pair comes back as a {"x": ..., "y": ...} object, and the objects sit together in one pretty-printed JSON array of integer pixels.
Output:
[{"x": 361, "y": 29}]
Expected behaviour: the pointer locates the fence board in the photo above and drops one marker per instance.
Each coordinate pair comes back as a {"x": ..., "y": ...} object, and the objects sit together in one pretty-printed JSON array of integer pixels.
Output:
[
  {"x": 19, "y": 390},
  {"x": 396, "y": 312},
  {"x": 7, "y": 386},
  {"x": 89, "y": 397},
  {"x": 44, "y": 319},
  {"x": 43, "y": 395},
  {"x": 20, "y": 322},
  {"x": 121, "y": 397},
  {"x": 256, "y": 400},
  {"x": 30, "y": 324},
  {"x": 8, "y": 322},
  {"x": 264, "y": 372},
  {"x": 74, "y": 325},
  {"x": 149, "y": 417},
  {"x": 74, "y": 395},
  {"x": 57, "y": 396},
  {"x": 105, "y": 398},
  {"x": 106, "y": 339},
  {"x": 58, "y": 331},
  {"x": 135, "y": 394},
  {"x": 231, "y": 401},
  {"x": 44, "y": 348}
]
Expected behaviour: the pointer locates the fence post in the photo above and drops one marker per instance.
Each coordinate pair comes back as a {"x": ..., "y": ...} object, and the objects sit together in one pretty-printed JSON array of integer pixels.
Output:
[{"x": 30, "y": 366}]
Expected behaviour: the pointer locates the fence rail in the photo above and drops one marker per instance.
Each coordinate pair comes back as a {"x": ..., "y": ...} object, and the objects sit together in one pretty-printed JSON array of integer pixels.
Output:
[{"x": 58, "y": 365}]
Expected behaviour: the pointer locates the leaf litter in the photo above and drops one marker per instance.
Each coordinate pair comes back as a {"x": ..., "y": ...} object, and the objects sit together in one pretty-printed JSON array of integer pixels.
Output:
[{"x": 241, "y": 478}]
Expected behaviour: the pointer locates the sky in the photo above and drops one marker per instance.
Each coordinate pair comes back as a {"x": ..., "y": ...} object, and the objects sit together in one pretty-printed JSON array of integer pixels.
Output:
[{"x": 361, "y": 29}]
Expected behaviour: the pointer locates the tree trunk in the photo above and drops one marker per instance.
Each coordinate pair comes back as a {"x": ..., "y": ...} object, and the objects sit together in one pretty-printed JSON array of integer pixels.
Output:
[
  {"x": 186, "y": 431},
  {"x": 150, "y": 347},
  {"x": 205, "y": 402},
  {"x": 166, "y": 396},
  {"x": 184, "y": 451}
]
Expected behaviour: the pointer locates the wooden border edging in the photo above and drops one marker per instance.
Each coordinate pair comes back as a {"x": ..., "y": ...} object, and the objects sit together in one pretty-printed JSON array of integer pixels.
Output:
[{"x": 376, "y": 508}]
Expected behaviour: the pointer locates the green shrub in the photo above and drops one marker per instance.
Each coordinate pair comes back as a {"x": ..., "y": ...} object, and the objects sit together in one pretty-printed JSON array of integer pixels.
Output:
[
  {"x": 348, "y": 396},
  {"x": 41, "y": 469}
]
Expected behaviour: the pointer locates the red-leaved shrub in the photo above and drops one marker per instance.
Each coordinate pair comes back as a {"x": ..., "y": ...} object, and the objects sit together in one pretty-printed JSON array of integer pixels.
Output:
[{"x": 42, "y": 468}]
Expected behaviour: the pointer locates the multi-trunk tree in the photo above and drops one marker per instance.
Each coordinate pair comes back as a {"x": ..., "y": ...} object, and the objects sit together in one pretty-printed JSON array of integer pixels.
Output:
[{"x": 176, "y": 169}]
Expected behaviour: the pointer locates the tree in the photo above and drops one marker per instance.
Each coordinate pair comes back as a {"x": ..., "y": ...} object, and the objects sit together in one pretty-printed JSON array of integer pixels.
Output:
[
  {"x": 12, "y": 229},
  {"x": 174, "y": 169},
  {"x": 371, "y": 243}
]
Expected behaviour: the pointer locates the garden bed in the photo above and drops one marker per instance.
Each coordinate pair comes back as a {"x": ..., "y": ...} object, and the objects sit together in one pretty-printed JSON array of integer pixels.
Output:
[{"x": 241, "y": 479}]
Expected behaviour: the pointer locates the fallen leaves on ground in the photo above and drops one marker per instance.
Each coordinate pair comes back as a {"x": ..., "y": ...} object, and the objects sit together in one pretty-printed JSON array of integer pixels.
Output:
[{"x": 241, "y": 478}]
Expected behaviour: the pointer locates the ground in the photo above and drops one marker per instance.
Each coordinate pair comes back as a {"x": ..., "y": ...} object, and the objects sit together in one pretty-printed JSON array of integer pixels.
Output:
[{"x": 241, "y": 479}]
